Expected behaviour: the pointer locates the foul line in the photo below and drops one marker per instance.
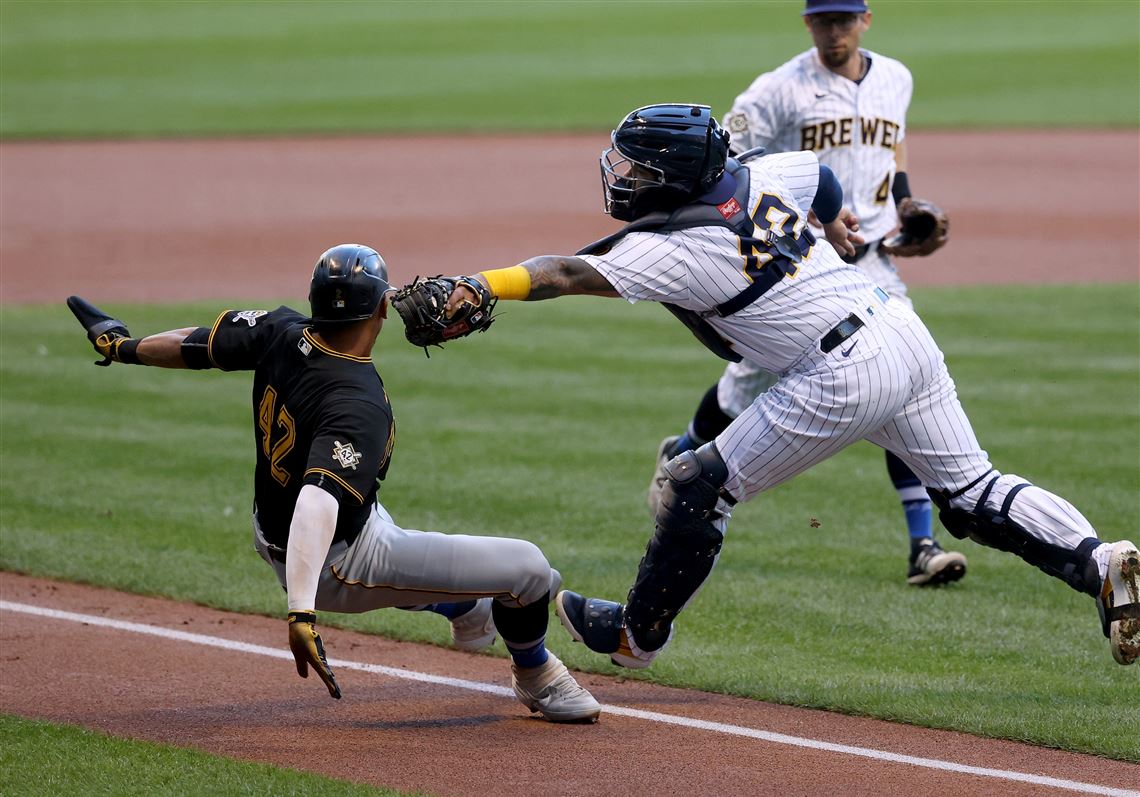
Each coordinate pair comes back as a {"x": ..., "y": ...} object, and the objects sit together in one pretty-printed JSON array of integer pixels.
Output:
[{"x": 621, "y": 711}]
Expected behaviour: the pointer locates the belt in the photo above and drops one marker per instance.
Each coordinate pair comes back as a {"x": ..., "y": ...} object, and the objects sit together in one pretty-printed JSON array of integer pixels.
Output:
[
  {"x": 841, "y": 332},
  {"x": 848, "y": 326}
]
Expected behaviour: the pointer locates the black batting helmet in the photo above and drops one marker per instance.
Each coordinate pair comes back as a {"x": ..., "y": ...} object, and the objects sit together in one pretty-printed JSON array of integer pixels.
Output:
[
  {"x": 348, "y": 282},
  {"x": 662, "y": 157}
]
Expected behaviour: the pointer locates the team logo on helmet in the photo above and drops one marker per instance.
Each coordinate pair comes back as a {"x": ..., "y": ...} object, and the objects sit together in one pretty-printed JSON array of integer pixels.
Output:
[
  {"x": 250, "y": 316},
  {"x": 346, "y": 455}
]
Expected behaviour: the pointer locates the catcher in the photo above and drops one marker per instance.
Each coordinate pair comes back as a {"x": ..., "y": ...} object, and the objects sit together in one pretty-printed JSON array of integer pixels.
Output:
[
  {"x": 325, "y": 432},
  {"x": 848, "y": 105}
]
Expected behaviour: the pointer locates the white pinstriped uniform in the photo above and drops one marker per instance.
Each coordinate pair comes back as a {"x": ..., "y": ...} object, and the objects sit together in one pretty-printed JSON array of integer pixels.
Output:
[
  {"x": 887, "y": 383},
  {"x": 854, "y": 129}
]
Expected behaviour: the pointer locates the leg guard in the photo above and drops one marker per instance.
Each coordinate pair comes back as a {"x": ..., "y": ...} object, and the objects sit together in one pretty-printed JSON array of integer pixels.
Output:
[
  {"x": 995, "y": 529},
  {"x": 685, "y": 545}
]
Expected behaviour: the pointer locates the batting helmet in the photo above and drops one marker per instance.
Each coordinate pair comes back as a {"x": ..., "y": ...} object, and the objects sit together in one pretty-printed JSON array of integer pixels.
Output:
[
  {"x": 348, "y": 282},
  {"x": 662, "y": 157}
]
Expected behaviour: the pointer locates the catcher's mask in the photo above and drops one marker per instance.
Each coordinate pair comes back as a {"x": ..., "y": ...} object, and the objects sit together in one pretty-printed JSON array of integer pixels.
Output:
[
  {"x": 348, "y": 283},
  {"x": 662, "y": 157}
]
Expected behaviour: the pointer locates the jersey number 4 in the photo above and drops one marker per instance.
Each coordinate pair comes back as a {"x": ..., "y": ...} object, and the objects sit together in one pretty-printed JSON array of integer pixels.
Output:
[
  {"x": 763, "y": 259},
  {"x": 275, "y": 452}
]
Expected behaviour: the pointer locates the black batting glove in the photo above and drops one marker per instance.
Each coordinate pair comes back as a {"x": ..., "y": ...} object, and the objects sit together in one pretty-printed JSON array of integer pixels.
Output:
[
  {"x": 308, "y": 649},
  {"x": 110, "y": 336}
]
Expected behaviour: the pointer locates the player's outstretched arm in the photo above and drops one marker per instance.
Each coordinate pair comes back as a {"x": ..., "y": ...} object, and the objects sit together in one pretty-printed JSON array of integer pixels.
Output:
[
  {"x": 543, "y": 277},
  {"x": 113, "y": 342}
]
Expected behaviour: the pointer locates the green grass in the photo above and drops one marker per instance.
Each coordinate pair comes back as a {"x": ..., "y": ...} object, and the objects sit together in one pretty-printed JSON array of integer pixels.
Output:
[
  {"x": 38, "y": 758},
  {"x": 213, "y": 68},
  {"x": 545, "y": 428}
]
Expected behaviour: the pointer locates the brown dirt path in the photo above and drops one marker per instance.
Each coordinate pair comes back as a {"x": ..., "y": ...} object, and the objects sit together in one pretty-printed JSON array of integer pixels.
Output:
[
  {"x": 180, "y": 220},
  {"x": 451, "y": 741}
]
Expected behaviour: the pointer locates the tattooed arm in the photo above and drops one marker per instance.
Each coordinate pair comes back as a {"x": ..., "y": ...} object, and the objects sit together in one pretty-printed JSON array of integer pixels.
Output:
[{"x": 543, "y": 277}]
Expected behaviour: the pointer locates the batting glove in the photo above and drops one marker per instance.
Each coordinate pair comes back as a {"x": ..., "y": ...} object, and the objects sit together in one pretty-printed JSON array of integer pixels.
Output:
[{"x": 308, "y": 649}]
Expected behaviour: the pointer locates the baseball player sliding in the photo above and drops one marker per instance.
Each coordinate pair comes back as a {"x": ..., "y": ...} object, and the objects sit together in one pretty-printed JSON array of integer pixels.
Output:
[
  {"x": 848, "y": 105},
  {"x": 724, "y": 243},
  {"x": 324, "y": 433}
]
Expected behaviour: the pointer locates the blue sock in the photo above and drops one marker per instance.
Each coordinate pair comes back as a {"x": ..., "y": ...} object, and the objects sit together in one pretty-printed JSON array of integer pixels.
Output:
[
  {"x": 919, "y": 520},
  {"x": 528, "y": 657},
  {"x": 451, "y": 610}
]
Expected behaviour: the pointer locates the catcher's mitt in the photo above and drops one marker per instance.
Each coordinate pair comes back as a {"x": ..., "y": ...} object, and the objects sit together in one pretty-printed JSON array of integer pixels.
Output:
[
  {"x": 422, "y": 306},
  {"x": 924, "y": 228}
]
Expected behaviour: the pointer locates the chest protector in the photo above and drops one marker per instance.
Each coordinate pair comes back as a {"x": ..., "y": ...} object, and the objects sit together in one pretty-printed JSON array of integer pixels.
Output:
[{"x": 732, "y": 214}]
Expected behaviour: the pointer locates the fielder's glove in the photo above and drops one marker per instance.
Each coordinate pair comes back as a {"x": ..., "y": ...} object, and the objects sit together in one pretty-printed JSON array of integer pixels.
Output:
[
  {"x": 924, "y": 228},
  {"x": 308, "y": 649},
  {"x": 106, "y": 334},
  {"x": 422, "y": 306}
]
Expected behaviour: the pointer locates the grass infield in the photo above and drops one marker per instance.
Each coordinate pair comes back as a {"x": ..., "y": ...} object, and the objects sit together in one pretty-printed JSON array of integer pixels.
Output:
[
  {"x": 38, "y": 758},
  {"x": 162, "y": 68},
  {"x": 546, "y": 428}
]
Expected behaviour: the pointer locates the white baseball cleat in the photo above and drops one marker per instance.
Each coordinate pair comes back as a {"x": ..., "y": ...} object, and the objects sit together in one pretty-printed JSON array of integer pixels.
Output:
[
  {"x": 1119, "y": 602},
  {"x": 552, "y": 691},
  {"x": 657, "y": 483},
  {"x": 475, "y": 629}
]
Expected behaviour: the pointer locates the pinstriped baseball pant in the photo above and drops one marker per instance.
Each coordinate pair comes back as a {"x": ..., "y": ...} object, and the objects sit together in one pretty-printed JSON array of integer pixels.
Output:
[{"x": 892, "y": 389}]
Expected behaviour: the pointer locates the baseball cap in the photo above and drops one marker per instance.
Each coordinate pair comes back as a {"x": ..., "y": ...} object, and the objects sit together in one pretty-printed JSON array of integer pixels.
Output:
[{"x": 834, "y": 6}]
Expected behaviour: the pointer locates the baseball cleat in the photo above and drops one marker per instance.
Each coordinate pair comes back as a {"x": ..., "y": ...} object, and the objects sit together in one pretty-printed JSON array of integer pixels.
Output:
[
  {"x": 657, "y": 483},
  {"x": 1119, "y": 602},
  {"x": 552, "y": 691},
  {"x": 930, "y": 566},
  {"x": 474, "y": 629},
  {"x": 598, "y": 624}
]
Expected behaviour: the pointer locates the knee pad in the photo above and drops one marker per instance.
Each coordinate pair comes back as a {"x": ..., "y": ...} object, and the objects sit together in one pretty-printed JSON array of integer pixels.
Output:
[
  {"x": 995, "y": 529},
  {"x": 686, "y": 542}
]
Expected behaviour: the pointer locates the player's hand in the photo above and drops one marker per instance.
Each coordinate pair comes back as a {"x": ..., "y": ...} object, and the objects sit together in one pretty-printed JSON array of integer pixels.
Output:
[
  {"x": 308, "y": 649},
  {"x": 460, "y": 295},
  {"x": 106, "y": 334},
  {"x": 842, "y": 231}
]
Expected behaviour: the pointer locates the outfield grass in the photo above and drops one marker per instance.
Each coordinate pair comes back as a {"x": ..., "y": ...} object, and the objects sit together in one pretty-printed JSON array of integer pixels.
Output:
[
  {"x": 38, "y": 758},
  {"x": 102, "y": 68},
  {"x": 140, "y": 479}
]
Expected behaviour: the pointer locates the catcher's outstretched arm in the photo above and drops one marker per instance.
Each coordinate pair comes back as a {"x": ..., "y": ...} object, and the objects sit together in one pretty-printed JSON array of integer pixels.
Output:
[
  {"x": 562, "y": 275},
  {"x": 543, "y": 277}
]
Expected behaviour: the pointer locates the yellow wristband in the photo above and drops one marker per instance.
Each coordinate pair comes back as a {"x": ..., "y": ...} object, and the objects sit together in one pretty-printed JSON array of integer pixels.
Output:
[{"x": 508, "y": 283}]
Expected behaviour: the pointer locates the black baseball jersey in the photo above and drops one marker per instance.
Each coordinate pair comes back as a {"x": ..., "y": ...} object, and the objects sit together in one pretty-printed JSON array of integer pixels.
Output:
[{"x": 320, "y": 417}]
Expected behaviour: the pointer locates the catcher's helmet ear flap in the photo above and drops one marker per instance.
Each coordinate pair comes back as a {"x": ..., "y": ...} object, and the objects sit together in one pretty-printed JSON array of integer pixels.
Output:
[
  {"x": 662, "y": 157},
  {"x": 348, "y": 283}
]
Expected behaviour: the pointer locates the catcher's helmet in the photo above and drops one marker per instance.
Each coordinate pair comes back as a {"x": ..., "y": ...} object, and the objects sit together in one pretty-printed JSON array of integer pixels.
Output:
[
  {"x": 348, "y": 282},
  {"x": 662, "y": 157}
]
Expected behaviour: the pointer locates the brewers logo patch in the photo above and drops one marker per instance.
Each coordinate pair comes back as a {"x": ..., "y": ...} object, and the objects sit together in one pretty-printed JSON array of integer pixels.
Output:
[
  {"x": 737, "y": 122},
  {"x": 345, "y": 454}
]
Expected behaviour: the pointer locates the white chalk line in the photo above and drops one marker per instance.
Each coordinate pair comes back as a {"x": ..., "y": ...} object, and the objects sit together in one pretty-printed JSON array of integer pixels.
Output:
[{"x": 622, "y": 711}]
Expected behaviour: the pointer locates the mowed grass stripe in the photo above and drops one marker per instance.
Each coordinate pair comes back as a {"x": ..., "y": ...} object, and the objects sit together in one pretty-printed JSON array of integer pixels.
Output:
[{"x": 145, "y": 68}]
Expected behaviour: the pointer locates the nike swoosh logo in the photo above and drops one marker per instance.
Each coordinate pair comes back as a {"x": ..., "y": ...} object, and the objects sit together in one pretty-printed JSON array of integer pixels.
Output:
[
  {"x": 820, "y": 94},
  {"x": 847, "y": 352}
]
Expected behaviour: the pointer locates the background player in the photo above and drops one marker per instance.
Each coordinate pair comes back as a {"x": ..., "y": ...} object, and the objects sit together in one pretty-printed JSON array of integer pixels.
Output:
[
  {"x": 716, "y": 241},
  {"x": 324, "y": 432},
  {"x": 848, "y": 105}
]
